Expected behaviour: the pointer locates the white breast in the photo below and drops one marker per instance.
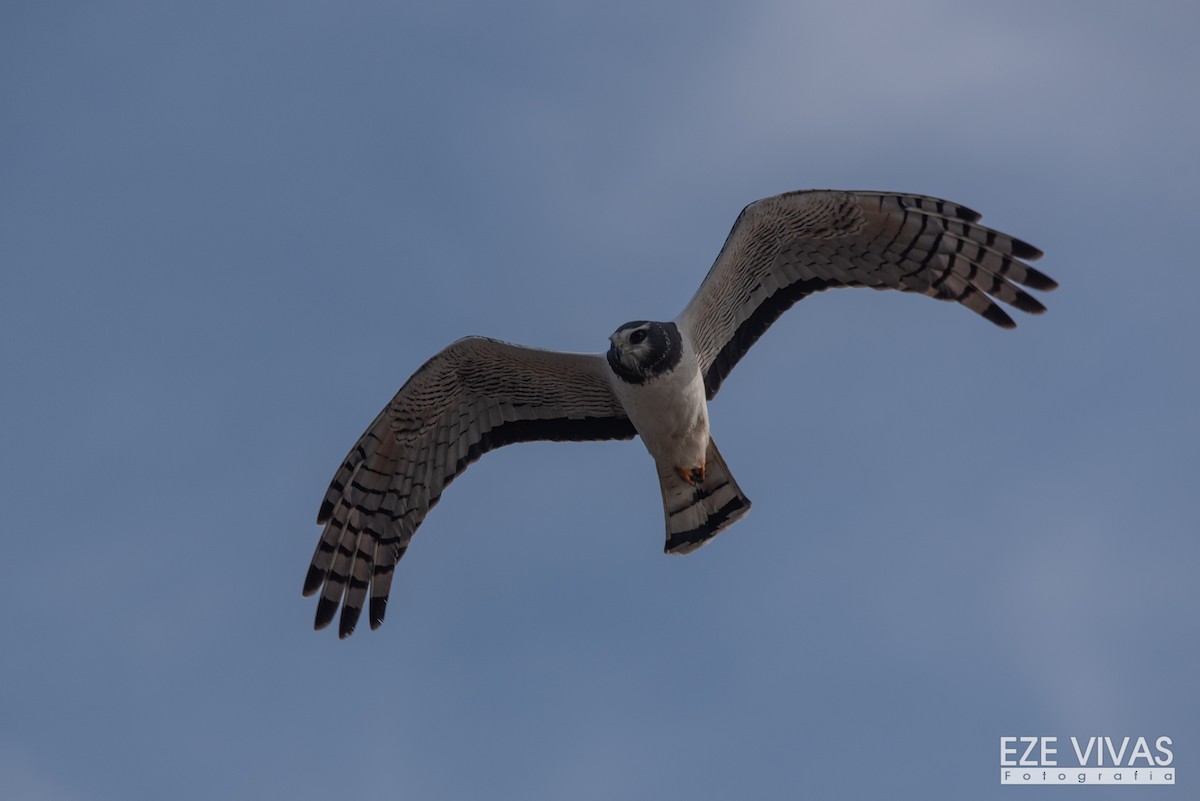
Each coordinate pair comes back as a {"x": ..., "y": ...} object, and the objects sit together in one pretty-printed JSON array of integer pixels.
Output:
[{"x": 670, "y": 412}]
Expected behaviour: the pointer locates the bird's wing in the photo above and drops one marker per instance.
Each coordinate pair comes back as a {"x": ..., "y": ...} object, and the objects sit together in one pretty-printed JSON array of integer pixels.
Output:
[
  {"x": 472, "y": 397},
  {"x": 784, "y": 248}
]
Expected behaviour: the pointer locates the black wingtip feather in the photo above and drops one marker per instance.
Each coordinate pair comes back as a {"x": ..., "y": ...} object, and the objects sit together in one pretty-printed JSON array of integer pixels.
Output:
[
  {"x": 377, "y": 611},
  {"x": 348, "y": 621},
  {"x": 1028, "y": 304},
  {"x": 326, "y": 609},
  {"x": 1024, "y": 250},
  {"x": 1035, "y": 279},
  {"x": 970, "y": 215},
  {"x": 997, "y": 315},
  {"x": 314, "y": 580}
]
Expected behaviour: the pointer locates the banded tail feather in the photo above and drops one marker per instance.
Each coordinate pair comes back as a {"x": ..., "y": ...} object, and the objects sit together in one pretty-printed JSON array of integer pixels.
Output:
[{"x": 697, "y": 513}]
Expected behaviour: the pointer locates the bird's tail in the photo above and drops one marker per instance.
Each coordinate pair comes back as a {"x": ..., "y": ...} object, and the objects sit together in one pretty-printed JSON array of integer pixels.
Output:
[{"x": 698, "y": 512}]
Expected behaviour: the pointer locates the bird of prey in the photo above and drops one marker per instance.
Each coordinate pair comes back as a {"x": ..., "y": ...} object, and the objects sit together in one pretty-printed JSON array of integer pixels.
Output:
[{"x": 655, "y": 380}]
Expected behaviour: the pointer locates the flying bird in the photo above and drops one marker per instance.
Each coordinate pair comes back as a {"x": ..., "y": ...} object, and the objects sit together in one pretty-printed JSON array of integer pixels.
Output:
[{"x": 655, "y": 380}]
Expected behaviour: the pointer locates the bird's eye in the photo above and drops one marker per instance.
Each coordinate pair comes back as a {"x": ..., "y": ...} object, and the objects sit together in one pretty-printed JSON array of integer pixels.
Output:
[{"x": 638, "y": 336}]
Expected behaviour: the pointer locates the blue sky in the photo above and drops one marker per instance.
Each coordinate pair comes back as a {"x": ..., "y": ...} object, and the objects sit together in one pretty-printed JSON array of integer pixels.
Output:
[{"x": 230, "y": 231}]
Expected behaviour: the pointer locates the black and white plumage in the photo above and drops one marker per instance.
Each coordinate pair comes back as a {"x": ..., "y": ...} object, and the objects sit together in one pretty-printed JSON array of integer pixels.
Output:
[{"x": 655, "y": 380}]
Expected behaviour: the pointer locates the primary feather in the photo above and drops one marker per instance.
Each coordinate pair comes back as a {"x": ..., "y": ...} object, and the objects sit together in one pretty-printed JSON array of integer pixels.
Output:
[
  {"x": 784, "y": 248},
  {"x": 474, "y": 396}
]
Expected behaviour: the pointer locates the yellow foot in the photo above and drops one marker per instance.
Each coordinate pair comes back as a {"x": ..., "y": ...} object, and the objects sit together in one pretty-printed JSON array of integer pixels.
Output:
[{"x": 692, "y": 475}]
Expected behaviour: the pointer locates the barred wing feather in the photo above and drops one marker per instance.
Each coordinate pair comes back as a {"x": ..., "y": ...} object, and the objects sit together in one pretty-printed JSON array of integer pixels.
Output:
[
  {"x": 474, "y": 396},
  {"x": 784, "y": 248}
]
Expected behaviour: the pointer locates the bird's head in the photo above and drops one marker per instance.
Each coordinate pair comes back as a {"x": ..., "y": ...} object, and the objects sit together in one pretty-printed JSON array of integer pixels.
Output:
[{"x": 643, "y": 350}]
